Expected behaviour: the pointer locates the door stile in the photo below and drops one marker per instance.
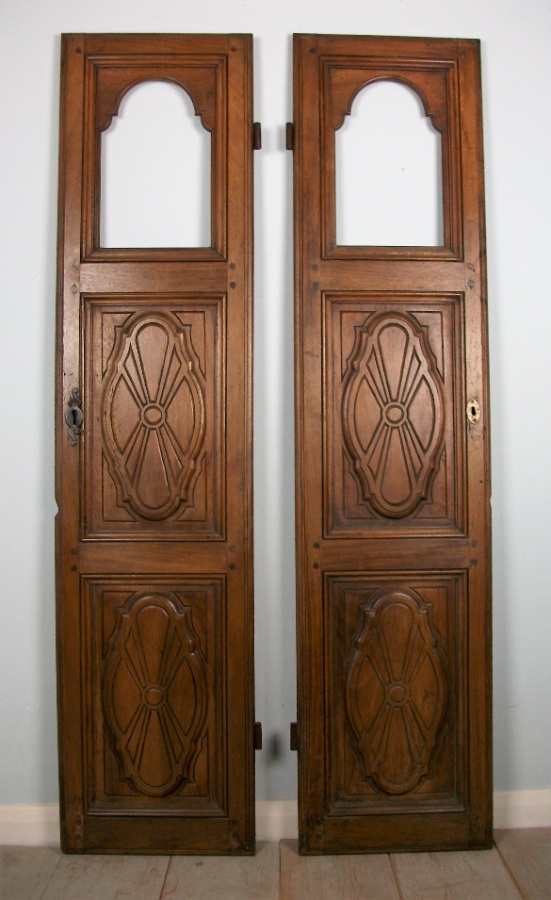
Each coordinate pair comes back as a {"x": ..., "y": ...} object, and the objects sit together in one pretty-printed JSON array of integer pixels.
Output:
[
  {"x": 478, "y": 453},
  {"x": 240, "y": 519},
  {"x": 67, "y": 461}
]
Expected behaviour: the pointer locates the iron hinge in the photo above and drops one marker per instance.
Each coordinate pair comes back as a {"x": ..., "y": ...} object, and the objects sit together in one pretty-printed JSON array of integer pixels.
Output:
[
  {"x": 257, "y": 735},
  {"x": 290, "y": 136},
  {"x": 257, "y": 136},
  {"x": 294, "y": 736}
]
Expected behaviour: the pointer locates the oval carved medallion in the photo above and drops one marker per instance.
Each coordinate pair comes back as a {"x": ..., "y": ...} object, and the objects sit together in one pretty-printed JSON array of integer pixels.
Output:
[
  {"x": 392, "y": 414},
  {"x": 154, "y": 415},
  {"x": 396, "y": 690},
  {"x": 155, "y": 693}
]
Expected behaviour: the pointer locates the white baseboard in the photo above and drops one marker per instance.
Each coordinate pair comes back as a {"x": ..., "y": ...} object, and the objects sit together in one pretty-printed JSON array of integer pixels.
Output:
[
  {"x": 38, "y": 826},
  {"x": 522, "y": 809},
  {"x": 29, "y": 826},
  {"x": 276, "y": 819}
]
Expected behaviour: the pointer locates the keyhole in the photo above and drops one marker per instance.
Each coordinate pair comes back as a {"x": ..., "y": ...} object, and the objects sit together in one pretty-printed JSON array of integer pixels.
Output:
[{"x": 473, "y": 411}]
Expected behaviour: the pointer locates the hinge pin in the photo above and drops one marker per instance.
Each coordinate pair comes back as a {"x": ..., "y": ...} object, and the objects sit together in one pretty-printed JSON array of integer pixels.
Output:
[
  {"x": 257, "y": 735},
  {"x": 257, "y": 136},
  {"x": 290, "y": 136}
]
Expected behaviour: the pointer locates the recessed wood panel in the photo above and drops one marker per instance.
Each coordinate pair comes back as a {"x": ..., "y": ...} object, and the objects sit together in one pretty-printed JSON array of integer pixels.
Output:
[
  {"x": 395, "y": 657},
  {"x": 158, "y": 714},
  {"x": 155, "y": 383},
  {"x": 394, "y": 442}
]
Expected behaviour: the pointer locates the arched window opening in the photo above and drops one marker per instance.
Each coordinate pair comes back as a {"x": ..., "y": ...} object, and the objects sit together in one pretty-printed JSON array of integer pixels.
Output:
[
  {"x": 388, "y": 162},
  {"x": 155, "y": 172}
]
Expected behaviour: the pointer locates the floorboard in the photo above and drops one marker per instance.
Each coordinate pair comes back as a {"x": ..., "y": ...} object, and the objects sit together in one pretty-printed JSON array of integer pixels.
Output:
[
  {"x": 527, "y": 854},
  {"x": 518, "y": 867},
  {"x": 331, "y": 877},
  {"x": 91, "y": 877},
  {"x": 224, "y": 877},
  {"x": 454, "y": 875},
  {"x": 25, "y": 871}
]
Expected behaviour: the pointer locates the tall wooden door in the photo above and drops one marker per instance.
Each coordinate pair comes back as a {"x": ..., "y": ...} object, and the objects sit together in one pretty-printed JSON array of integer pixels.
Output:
[
  {"x": 154, "y": 555},
  {"x": 393, "y": 519}
]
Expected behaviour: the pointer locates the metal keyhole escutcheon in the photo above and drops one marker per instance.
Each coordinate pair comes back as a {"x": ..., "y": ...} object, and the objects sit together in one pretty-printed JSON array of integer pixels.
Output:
[
  {"x": 74, "y": 416},
  {"x": 473, "y": 412}
]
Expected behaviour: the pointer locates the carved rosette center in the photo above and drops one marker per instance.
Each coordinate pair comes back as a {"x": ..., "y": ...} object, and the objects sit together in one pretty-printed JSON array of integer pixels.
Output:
[
  {"x": 153, "y": 415},
  {"x": 395, "y": 414},
  {"x": 154, "y": 697},
  {"x": 397, "y": 695}
]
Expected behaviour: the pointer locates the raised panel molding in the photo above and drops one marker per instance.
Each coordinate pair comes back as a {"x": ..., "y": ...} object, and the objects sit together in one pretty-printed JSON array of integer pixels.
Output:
[
  {"x": 155, "y": 692},
  {"x": 155, "y": 384},
  {"x": 159, "y": 714},
  {"x": 395, "y": 655},
  {"x": 392, "y": 414},
  {"x": 154, "y": 415},
  {"x": 396, "y": 690},
  {"x": 393, "y": 439}
]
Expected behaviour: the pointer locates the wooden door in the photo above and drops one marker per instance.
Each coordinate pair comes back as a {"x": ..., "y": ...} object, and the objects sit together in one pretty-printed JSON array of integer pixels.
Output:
[
  {"x": 393, "y": 518},
  {"x": 154, "y": 554}
]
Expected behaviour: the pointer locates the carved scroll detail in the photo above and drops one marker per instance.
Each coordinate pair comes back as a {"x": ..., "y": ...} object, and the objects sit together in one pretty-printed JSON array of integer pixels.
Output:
[
  {"x": 155, "y": 693},
  {"x": 396, "y": 690},
  {"x": 154, "y": 415},
  {"x": 392, "y": 414}
]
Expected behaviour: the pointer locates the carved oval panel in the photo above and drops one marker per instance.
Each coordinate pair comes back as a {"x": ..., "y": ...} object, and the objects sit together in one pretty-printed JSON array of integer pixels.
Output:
[
  {"x": 396, "y": 690},
  {"x": 392, "y": 414},
  {"x": 154, "y": 415},
  {"x": 155, "y": 693}
]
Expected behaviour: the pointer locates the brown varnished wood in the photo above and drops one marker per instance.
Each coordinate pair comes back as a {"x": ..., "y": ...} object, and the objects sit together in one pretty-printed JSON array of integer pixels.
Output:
[
  {"x": 108, "y": 75},
  {"x": 154, "y": 531},
  {"x": 393, "y": 518},
  {"x": 435, "y": 80}
]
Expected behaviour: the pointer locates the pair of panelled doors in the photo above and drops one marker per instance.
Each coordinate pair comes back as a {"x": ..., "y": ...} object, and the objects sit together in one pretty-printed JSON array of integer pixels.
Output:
[{"x": 154, "y": 462}]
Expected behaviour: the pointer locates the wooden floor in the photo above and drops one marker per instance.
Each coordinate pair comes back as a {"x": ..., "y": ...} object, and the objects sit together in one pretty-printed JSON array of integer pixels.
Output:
[{"x": 519, "y": 865}]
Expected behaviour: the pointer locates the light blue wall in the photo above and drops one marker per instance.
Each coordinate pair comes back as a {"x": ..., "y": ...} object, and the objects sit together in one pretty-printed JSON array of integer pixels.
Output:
[{"x": 517, "y": 79}]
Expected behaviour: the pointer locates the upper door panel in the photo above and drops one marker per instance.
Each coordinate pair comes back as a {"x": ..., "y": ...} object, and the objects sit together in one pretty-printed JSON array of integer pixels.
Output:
[
  {"x": 108, "y": 77},
  {"x": 434, "y": 79}
]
